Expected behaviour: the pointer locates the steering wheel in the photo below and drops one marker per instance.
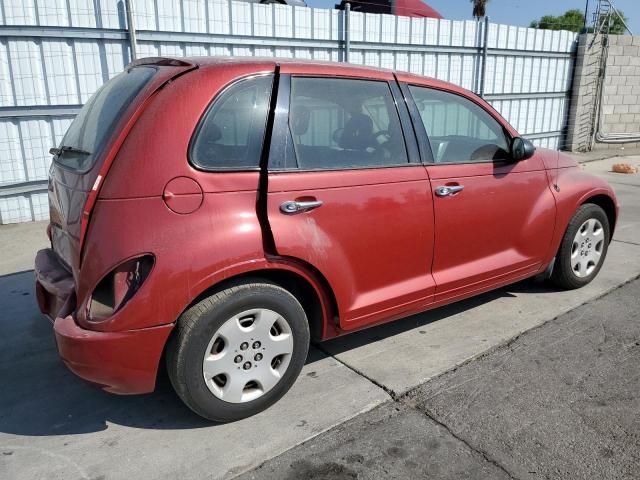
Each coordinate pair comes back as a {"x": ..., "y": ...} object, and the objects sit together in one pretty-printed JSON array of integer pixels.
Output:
[
  {"x": 385, "y": 133},
  {"x": 337, "y": 135},
  {"x": 486, "y": 152},
  {"x": 382, "y": 147}
]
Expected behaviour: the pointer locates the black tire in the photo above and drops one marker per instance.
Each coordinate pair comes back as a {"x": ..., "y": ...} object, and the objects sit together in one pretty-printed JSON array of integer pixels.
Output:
[
  {"x": 563, "y": 275},
  {"x": 195, "y": 329}
]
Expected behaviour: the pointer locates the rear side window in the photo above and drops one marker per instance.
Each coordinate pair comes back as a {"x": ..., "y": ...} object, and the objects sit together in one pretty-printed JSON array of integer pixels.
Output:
[
  {"x": 92, "y": 128},
  {"x": 459, "y": 130},
  {"x": 341, "y": 123},
  {"x": 231, "y": 133}
]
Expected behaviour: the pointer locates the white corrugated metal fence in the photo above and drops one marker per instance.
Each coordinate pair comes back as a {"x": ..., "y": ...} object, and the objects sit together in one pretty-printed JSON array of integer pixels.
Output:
[{"x": 55, "y": 53}]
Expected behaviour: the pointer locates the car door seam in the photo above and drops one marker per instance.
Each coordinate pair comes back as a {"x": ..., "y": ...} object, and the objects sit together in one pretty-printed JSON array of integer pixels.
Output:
[{"x": 268, "y": 242}]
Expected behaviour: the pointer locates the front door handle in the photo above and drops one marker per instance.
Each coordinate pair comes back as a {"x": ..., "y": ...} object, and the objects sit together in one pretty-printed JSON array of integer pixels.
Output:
[
  {"x": 448, "y": 190},
  {"x": 292, "y": 206}
]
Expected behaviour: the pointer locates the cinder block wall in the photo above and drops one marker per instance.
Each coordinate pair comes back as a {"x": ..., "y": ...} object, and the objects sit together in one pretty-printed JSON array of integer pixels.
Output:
[{"x": 619, "y": 101}]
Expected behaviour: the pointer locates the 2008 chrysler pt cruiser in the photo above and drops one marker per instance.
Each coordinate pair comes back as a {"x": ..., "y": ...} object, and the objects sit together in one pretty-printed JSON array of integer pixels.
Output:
[{"x": 219, "y": 214}]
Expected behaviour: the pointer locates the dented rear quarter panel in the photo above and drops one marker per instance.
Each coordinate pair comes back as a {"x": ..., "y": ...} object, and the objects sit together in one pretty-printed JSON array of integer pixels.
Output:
[
  {"x": 191, "y": 251},
  {"x": 194, "y": 251}
]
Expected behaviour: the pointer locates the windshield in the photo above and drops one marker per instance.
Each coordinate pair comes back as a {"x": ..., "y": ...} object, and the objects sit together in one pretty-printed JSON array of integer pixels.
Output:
[{"x": 93, "y": 126}]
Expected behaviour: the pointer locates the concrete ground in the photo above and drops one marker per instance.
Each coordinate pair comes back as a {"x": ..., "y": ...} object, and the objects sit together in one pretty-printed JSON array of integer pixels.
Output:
[
  {"x": 19, "y": 244},
  {"x": 53, "y": 425},
  {"x": 560, "y": 401}
]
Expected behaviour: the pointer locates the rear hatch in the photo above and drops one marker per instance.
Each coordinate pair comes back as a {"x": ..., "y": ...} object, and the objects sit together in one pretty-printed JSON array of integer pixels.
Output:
[{"x": 82, "y": 159}]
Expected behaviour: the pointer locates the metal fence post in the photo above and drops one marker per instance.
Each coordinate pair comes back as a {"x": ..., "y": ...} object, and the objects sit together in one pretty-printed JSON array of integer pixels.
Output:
[
  {"x": 586, "y": 13},
  {"x": 485, "y": 41},
  {"x": 131, "y": 27},
  {"x": 347, "y": 40}
]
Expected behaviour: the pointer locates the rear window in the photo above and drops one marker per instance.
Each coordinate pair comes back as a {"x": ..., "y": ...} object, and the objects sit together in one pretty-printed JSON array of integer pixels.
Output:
[
  {"x": 231, "y": 133},
  {"x": 92, "y": 128}
]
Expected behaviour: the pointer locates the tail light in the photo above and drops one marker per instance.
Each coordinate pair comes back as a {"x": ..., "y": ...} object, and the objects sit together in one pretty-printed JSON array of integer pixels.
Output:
[{"x": 118, "y": 287}]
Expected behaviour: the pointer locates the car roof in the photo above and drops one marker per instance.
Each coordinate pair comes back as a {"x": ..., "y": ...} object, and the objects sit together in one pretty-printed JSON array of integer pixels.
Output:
[
  {"x": 320, "y": 68},
  {"x": 296, "y": 65},
  {"x": 305, "y": 66},
  {"x": 208, "y": 60}
]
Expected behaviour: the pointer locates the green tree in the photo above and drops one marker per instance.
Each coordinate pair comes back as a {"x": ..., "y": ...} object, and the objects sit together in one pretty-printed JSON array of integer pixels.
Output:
[
  {"x": 479, "y": 8},
  {"x": 573, "y": 20},
  {"x": 616, "y": 26}
]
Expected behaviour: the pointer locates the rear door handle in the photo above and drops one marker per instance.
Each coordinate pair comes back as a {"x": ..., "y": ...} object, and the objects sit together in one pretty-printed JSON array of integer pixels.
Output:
[
  {"x": 292, "y": 206},
  {"x": 445, "y": 191}
]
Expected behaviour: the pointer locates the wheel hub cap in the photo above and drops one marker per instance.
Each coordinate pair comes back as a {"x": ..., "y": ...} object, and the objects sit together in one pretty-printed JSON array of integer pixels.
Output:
[
  {"x": 248, "y": 355},
  {"x": 587, "y": 247}
]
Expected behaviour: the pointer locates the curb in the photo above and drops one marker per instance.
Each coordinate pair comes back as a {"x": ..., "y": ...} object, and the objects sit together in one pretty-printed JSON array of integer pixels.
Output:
[{"x": 604, "y": 155}]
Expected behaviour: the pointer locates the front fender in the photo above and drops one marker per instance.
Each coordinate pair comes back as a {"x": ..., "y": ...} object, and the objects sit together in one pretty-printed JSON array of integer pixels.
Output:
[{"x": 575, "y": 187}]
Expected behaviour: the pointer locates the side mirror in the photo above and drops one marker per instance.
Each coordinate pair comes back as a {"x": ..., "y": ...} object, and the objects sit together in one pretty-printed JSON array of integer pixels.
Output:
[{"x": 521, "y": 149}]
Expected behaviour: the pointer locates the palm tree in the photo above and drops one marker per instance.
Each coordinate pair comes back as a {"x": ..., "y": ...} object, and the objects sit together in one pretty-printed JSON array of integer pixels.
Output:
[{"x": 479, "y": 7}]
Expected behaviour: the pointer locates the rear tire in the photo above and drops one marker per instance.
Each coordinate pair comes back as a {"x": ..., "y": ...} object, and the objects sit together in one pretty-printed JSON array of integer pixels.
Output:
[
  {"x": 237, "y": 352},
  {"x": 583, "y": 248}
]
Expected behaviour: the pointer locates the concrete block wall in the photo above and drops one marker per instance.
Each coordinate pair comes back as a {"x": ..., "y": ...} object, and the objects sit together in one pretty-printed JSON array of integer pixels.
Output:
[{"x": 619, "y": 99}]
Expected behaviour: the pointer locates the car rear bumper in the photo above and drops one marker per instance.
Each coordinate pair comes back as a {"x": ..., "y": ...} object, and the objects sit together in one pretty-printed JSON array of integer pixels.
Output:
[
  {"x": 123, "y": 362},
  {"x": 119, "y": 362}
]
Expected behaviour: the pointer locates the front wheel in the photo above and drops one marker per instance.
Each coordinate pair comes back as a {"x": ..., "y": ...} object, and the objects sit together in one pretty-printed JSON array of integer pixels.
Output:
[
  {"x": 239, "y": 351},
  {"x": 583, "y": 248}
]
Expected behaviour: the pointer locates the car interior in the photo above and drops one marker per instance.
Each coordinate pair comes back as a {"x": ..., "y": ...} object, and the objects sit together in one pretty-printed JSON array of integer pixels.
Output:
[
  {"x": 460, "y": 148},
  {"x": 340, "y": 123},
  {"x": 342, "y": 128},
  {"x": 232, "y": 128},
  {"x": 458, "y": 130}
]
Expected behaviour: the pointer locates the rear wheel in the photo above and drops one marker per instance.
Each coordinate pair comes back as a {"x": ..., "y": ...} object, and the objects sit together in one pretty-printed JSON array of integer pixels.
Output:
[
  {"x": 583, "y": 248},
  {"x": 237, "y": 352}
]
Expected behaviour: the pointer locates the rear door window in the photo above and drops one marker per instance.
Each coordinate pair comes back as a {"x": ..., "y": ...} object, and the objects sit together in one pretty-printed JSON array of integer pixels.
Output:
[
  {"x": 231, "y": 133},
  {"x": 92, "y": 128},
  {"x": 343, "y": 123}
]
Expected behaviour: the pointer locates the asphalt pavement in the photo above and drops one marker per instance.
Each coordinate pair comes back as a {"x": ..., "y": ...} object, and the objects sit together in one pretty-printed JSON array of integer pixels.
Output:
[{"x": 559, "y": 402}]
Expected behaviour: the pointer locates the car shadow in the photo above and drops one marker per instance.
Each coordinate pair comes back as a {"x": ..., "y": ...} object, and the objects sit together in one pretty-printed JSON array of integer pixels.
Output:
[
  {"x": 396, "y": 327},
  {"x": 41, "y": 397}
]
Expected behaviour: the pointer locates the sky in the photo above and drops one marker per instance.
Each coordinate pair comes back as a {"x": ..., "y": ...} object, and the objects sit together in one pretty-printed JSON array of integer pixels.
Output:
[{"x": 516, "y": 12}]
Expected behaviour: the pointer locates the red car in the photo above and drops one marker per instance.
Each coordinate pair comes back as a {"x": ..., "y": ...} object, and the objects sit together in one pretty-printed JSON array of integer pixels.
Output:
[{"x": 218, "y": 214}]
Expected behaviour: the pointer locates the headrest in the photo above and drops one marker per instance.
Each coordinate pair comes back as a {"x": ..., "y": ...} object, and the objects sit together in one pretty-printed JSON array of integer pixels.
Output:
[
  {"x": 300, "y": 117},
  {"x": 212, "y": 132},
  {"x": 357, "y": 133}
]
